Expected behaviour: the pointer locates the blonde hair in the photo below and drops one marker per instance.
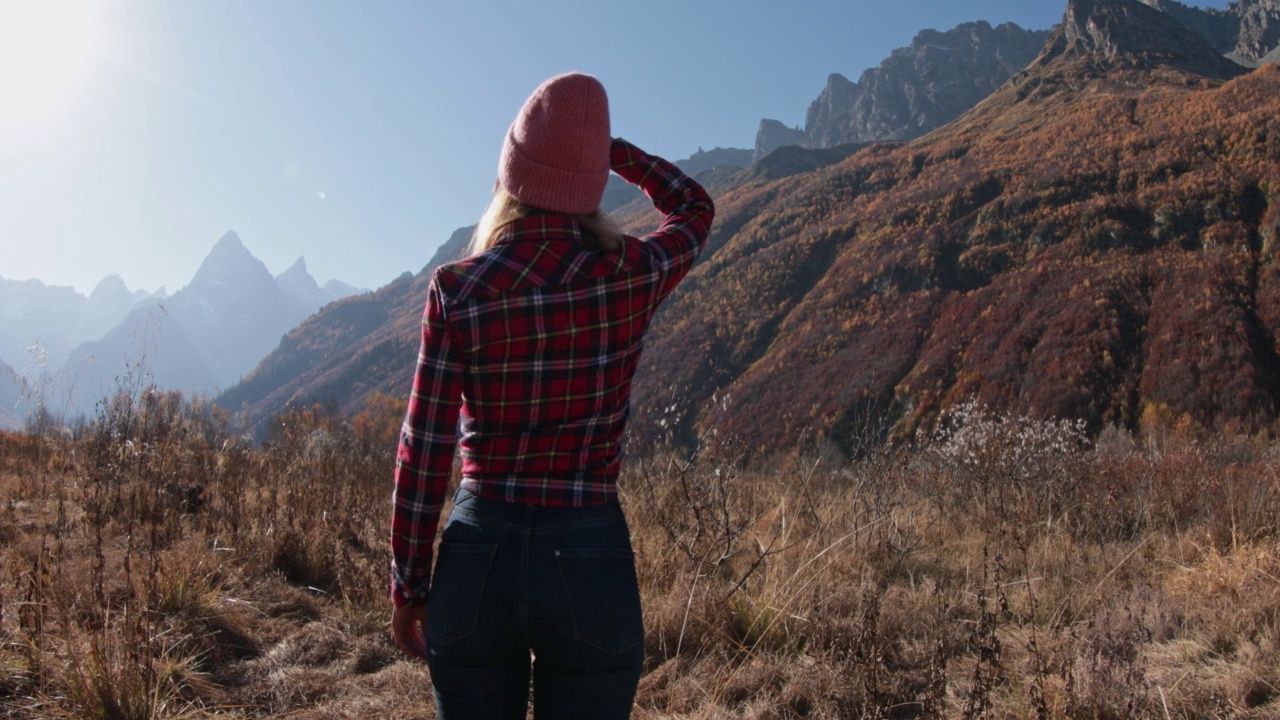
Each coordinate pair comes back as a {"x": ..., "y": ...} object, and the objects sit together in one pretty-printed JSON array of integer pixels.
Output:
[{"x": 599, "y": 232}]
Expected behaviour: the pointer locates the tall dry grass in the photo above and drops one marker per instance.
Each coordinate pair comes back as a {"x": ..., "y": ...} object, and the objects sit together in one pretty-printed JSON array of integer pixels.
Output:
[{"x": 157, "y": 566}]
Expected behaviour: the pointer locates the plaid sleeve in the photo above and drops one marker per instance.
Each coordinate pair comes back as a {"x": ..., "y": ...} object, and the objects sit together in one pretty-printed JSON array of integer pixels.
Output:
[
  {"x": 688, "y": 208},
  {"x": 424, "y": 458}
]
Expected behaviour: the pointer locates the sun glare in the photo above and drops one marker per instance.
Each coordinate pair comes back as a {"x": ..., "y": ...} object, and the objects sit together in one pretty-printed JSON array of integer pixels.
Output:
[{"x": 45, "y": 46}]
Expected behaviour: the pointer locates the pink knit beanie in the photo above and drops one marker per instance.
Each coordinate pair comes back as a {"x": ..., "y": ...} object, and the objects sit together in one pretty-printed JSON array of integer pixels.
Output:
[{"x": 556, "y": 156}]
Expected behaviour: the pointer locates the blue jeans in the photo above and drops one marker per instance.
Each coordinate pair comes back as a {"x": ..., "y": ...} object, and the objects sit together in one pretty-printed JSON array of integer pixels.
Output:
[{"x": 560, "y": 583}]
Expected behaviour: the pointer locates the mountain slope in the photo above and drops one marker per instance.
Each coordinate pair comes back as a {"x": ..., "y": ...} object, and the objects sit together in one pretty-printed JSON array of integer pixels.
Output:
[{"x": 1093, "y": 240}]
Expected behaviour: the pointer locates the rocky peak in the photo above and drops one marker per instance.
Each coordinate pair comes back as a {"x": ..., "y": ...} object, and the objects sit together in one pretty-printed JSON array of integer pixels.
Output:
[
  {"x": 301, "y": 290},
  {"x": 229, "y": 262},
  {"x": 1117, "y": 33},
  {"x": 1219, "y": 27},
  {"x": 916, "y": 90},
  {"x": 228, "y": 243},
  {"x": 110, "y": 287},
  {"x": 1258, "y": 39},
  {"x": 773, "y": 135},
  {"x": 297, "y": 272},
  {"x": 296, "y": 281},
  {"x": 338, "y": 290},
  {"x": 1247, "y": 31}
]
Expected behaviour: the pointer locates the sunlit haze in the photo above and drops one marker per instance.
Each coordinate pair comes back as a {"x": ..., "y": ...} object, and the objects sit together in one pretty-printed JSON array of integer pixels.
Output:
[
  {"x": 133, "y": 135},
  {"x": 45, "y": 47}
]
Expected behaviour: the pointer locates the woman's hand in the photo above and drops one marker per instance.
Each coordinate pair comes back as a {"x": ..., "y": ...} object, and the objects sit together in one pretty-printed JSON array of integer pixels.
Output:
[{"x": 408, "y": 628}]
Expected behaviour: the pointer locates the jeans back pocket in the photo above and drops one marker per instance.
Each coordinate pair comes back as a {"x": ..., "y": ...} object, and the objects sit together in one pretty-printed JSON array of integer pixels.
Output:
[
  {"x": 603, "y": 595},
  {"x": 457, "y": 588}
]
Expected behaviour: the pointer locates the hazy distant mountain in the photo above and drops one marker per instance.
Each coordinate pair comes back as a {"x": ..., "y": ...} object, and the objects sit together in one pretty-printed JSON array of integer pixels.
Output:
[
  {"x": 108, "y": 302},
  {"x": 58, "y": 318},
  {"x": 304, "y": 294},
  {"x": 12, "y": 410},
  {"x": 336, "y": 290},
  {"x": 348, "y": 350},
  {"x": 210, "y": 333}
]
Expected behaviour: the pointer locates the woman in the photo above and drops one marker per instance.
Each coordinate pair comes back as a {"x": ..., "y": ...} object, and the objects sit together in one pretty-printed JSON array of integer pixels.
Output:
[{"x": 532, "y": 341}]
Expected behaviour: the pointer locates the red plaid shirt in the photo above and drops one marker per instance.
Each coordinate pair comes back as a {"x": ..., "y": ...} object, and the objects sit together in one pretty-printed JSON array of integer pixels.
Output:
[{"x": 534, "y": 344}]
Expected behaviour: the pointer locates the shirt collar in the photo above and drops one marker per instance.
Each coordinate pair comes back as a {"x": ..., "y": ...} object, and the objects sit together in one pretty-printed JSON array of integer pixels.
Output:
[{"x": 540, "y": 228}]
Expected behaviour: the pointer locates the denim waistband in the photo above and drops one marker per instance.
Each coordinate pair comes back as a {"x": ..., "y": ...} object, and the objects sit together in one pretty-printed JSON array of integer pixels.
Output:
[{"x": 535, "y": 517}]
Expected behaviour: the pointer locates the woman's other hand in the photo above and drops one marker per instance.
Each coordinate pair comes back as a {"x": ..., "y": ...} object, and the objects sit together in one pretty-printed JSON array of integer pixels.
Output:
[{"x": 408, "y": 628}]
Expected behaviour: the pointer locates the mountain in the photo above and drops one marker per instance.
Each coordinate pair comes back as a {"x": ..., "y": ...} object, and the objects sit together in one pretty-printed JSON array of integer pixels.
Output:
[
  {"x": 1095, "y": 240},
  {"x": 304, "y": 295},
  {"x": 58, "y": 318},
  {"x": 1098, "y": 239},
  {"x": 943, "y": 74},
  {"x": 704, "y": 160},
  {"x": 1113, "y": 35},
  {"x": 347, "y": 351},
  {"x": 1247, "y": 31},
  {"x": 11, "y": 406},
  {"x": 772, "y": 135},
  {"x": 915, "y": 90},
  {"x": 1258, "y": 40},
  {"x": 207, "y": 335},
  {"x": 336, "y": 289}
]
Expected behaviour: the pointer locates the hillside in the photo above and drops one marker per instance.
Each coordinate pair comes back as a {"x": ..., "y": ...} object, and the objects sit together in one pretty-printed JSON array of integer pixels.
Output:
[{"x": 1094, "y": 240}]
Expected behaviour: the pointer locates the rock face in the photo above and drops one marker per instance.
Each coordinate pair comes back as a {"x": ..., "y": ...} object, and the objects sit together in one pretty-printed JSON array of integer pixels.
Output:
[
  {"x": 1128, "y": 33},
  {"x": 916, "y": 89},
  {"x": 773, "y": 135},
  {"x": 1258, "y": 38},
  {"x": 1247, "y": 31},
  {"x": 942, "y": 75}
]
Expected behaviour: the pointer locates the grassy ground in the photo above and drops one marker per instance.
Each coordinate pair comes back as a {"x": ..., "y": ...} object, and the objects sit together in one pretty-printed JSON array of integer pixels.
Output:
[{"x": 157, "y": 567}]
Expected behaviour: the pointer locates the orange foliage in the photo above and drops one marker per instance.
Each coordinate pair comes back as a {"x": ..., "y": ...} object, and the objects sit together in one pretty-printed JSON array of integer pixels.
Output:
[{"x": 1088, "y": 256}]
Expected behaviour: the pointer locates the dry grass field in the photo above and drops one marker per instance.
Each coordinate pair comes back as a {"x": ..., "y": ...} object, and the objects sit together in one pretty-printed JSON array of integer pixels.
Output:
[{"x": 155, "y": 566}]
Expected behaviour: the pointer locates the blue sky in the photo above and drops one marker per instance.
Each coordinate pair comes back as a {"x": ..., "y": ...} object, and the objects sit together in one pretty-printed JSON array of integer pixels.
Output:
[{"x": 134, "y": 133}]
